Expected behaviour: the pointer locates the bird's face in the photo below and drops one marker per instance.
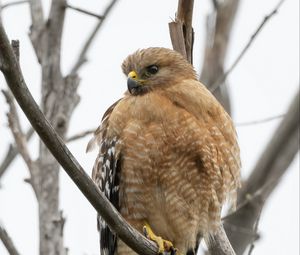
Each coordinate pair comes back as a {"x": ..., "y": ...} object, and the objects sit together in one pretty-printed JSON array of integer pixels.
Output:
[{"x": 152, "y": 68}]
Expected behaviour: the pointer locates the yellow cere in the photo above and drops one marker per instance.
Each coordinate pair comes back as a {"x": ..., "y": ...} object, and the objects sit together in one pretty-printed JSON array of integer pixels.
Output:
[{"x": 133, "y": 75}]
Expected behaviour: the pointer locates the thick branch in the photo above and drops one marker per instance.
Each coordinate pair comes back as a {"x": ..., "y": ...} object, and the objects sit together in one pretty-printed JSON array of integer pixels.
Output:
[
  {"x": 7, "y": 241},
  {"x": 181, "y": 33},
  {"x": 48, "y": 135},
  {"x": 218, "y": 244},
  {"x": 282, "y": 147},
  {"x": 37, "y": 15},
  {"x": 82, "y": 56},
  {"x": 219, "y": 26},
  {"x": 268, "y": 171},
  {"x": 181, "y": 30}
]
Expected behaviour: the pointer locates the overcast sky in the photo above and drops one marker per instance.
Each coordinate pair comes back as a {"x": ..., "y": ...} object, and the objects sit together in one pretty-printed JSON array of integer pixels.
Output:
[{"x": 261, "y": 86}]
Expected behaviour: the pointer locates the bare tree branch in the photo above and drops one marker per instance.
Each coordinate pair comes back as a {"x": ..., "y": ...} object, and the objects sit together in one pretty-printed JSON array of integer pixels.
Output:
[
  {"x": 215, "y": 4},
  {"x": 80, "y": 135},
  {"x": 7, "y": 241},
  {"x": 82, "y": 56},
  {"x": 255, "y": 230},
  {"x": 15, "y": 127},
  {"x": 20, "y": 140},
  {"x": 221, "y": 79},
  {"x": 181, "y": 30},
  {"x": 264, "y": 178},
  {"x": 12, "y": 150},
  {"x": 255, "y": 122},
  {"x": 218, "y": 244},
  {"x": 0, "y": 12},
  {"x": 181, "y": 33},
  {"x": 11, "y": 153},
  {"x": 15, "y": 80},
  {"x": 84, "y": 11},
  {"x": 14, "y": 3},
  {"x": 281, "y": 147},
  {"x": 36, "y": 29},
  {"x": 218, "y": 31}
]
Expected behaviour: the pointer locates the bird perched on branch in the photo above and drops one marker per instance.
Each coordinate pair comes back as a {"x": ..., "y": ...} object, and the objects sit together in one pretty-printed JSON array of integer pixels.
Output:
[{"x": 168, "y": 155}]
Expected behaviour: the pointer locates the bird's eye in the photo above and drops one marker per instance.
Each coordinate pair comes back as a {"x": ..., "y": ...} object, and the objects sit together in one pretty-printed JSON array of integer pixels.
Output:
[{"x": 153, "y": 69}]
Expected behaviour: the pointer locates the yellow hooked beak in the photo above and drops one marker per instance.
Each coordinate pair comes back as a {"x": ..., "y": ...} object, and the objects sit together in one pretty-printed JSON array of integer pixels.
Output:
[{"x": 134, "y": 83}]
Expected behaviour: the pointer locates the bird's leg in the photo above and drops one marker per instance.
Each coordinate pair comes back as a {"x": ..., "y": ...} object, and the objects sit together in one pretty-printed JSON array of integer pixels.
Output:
[{"x": 164, "y": 246}]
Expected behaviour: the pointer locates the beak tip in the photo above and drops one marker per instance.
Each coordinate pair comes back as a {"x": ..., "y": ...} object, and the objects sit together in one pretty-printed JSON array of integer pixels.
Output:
[{"x": 132, "y": 85}]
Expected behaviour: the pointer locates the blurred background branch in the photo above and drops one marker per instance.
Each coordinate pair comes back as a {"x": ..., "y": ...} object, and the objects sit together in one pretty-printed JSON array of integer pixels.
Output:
[
  {"x": 263, "y": 179},
  {"x": 7, "y": 242}
]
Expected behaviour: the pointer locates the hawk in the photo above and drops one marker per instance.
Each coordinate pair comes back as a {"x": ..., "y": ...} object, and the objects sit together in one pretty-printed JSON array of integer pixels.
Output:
[{"x": 168, "y": 155}]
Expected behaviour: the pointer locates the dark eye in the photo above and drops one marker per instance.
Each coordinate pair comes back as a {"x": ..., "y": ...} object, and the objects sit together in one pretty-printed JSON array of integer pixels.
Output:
[{"x": 153, "y": 69}]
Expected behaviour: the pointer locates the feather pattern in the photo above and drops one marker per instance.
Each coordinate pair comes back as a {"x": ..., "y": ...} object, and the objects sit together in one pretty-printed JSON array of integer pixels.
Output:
[
  {"x": 178, "y": 152},
  {"x": 106, "y": 174}
]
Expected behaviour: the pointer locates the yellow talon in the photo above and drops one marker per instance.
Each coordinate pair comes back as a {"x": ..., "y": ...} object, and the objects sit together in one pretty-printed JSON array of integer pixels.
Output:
[{"x": 163, "y": 245}]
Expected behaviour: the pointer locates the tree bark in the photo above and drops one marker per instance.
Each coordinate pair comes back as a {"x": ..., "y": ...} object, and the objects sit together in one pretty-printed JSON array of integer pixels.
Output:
[
  {"x": 181, "y": 30},
  {"x": 7, "y": 242},
  {"x": 13, "y": 75},
  {"x": 59, "y": 98},
  {"x": 273, "y": 163},
  {"x": 219, "y": 26}
]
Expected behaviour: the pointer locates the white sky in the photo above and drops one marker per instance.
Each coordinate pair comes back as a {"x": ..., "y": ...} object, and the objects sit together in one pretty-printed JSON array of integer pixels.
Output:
[{"x": 261, "y": 86}]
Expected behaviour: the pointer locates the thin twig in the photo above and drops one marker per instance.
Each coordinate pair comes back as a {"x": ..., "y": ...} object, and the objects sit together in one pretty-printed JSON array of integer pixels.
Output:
[
  {"x": 20, "y": 138},
  {"x": 12, "y": 152},
  {"x": 51, "y": 139},
  {"x": 15, "y": 127},
  {"x": 255, "y": 122},
  {"x": 13, "y": 4},
  {"x": 246, "y": 48},
  {"x": 84, "y": 11},
  {"x": 80, "y": 135},
  {"x": 258, "y": 197},
  {"x": 82, "y": 56},
  {"x": 7, "y": 241}
]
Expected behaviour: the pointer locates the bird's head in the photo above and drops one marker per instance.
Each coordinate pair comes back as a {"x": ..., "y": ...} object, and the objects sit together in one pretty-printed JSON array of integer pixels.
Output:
[{"x": 153, "y": 68}]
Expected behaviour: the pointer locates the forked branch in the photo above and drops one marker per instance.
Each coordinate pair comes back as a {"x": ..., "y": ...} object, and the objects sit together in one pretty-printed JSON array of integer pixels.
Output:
[
  {"x": 82, "y": 55},
  {"x": 222, "y": 78},
  {"x": 264, "y": 178},
  {"x": 15, "y": 81}
]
